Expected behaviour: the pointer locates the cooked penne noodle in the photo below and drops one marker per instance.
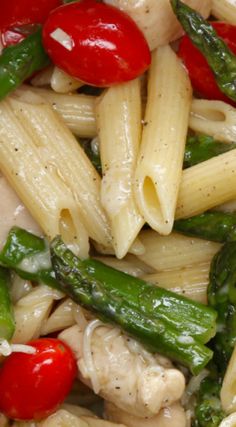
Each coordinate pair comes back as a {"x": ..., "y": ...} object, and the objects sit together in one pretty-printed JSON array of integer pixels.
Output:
[
  {"x": 175, "y": 251},
  {"x": 130, "y": 265},
  {"x": 207, "y": 185},
  {"x": 119, "y": 144},
  {"x": 229, "y": 421},
  {"x": 160, "y": 161},
  {"x": 27, "y": 162},
  {"x": 215, "y": 118},
  {"x": 228, "y": 390},
  {"x": 156, "y": 18},
  {"x": 58, "y": 153},
  {"x": 77, "y": 110},
  {"x": 224, "y": 10},
  {"x": 227, "y": 207},
  {"x": 191, "y": 281},
  {"x": 42, "y": 78},
  {"x": 63, "y": 83}
]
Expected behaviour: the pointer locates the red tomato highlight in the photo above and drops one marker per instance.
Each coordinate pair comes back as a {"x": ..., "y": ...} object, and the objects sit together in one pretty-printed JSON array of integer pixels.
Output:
[
  {"x": 96, "y": 43},
  {"x": 33, "y": 385},
  {"x": 201, "y": 76}
]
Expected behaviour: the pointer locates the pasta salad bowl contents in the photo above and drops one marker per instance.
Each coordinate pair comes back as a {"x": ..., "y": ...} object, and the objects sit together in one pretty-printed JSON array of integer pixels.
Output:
[{"x": 117, "y": 224}]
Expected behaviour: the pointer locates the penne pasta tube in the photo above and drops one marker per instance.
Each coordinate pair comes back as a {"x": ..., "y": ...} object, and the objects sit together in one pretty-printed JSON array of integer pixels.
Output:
[
  {"x": 207, "y": 185},
  {"x": 175, "y": 251},
  {"x": 42, "y": 78},
  {"x": 76, "y": 110},
  {"x": 215, "y": 118},
  {"x": 156, "y": 18},
  {"x": 60, "y": 152},
  {"x": 224, "y": 10},
  {"x": 227, "y": 207},
  {"x": 119, "y": 145},
  {"x": 191, "y": 281},
  {"x": 34, "y": 176},
  {"x": 160, "y": 161},
  {"x": 61, "y": 82}
]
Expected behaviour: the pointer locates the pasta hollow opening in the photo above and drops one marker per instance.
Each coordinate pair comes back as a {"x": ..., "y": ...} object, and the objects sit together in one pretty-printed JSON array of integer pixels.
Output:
[
  {"x": 214, "y": 115},
  {"x": 151, "y": 198},
  {"x": 67, "y": 227}
]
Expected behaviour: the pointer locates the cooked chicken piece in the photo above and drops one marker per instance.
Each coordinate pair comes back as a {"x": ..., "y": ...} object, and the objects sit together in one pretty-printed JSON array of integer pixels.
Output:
[
  {"x": 171, "y": 416},
  {"x": 121, "y": 371},
  {"x": 13, "y": 212},
  {"x": 156, "y": 19}
]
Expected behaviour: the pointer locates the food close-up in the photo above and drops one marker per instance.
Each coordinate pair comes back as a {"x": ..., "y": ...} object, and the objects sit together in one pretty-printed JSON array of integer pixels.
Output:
[{"x": 118, "y": 213}]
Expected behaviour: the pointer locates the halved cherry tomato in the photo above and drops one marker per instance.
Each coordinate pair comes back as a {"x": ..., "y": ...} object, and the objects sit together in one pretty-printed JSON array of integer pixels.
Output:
[
  {"x": 201, "y": 76},
  {"x": 96, "y": 42},
  {"x": 33, "y": 385},
  {"x": 20, "y": 13}
]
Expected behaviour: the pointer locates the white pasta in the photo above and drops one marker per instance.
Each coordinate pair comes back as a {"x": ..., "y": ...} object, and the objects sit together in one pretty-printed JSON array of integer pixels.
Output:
[
  {"x": 63, "y": 83},
  {"x": 215, "y": 118},
  {"x": 175, "y": 251},
  {"x": 229, "y": 421},
  {"x": 224, "y": 10},
  {"x": 228, "y": 390},
  {"x": 119, "y": 146},
  {"x": 156, "y": 18},
  {"x": 160, "y": 160},
  {"x": 207, "y": 185}
]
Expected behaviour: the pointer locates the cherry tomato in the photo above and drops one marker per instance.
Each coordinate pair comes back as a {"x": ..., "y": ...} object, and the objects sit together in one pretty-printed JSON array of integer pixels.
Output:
[
  {"x": 33, "y": 385},
  {"x": 96, "y": 42},
  {"x": 17, "y": 13},
  {"x": 201, "y": 76}
]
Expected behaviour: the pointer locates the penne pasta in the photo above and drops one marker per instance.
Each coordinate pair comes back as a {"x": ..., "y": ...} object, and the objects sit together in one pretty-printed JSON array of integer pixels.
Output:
[
  {"x": 191, "y": 281},
  {"x": 207, "y": 185},
  {"x": 42, "y": 78},
  {"x": 77, "y": 110},
  {"x": 119, "y": 146},
  {"x": 215, "y": 118},
  {"x": 58, "y": 154},
  {"x": 63, "y": 83},
  {"x": 175, "y": 251},
  {"x": 159, "y": 167},
  {"x": 156, "y": 18},
  {"x": 224, "y": 10}
]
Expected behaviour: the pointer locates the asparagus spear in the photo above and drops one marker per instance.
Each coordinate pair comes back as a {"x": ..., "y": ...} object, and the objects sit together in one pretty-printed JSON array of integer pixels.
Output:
[
  {"x": 20, "y": 61},
  {"x": 216, "y": 226},
  {"x": 203, "y": 147},
  {"x": 7, "y": 324},
  {"x": 220, "y": 58},
  {"x": 136, "y": 306},
  {"x": 29, "y": 256},
  {"x": 222, "y": 297}
]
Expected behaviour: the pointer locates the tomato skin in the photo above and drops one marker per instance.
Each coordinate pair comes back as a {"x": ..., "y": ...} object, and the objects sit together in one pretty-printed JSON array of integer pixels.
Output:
[
  {"x": 33, "y": 385},
  {"x": 17, "y": 13},
  {"x": 105, "y": 44},
  {"x": 201, "y": 76}
]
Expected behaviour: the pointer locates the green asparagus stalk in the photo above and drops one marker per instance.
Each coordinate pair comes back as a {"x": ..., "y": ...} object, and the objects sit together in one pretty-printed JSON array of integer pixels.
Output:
[
  {"x": 220, "y": 58},
  {"x": 136, "y": 306},
  {"x": 19, "y": 62},
  {"x": 222, "y": 297},
  {"x": 203, "y": 147},
  {"x": 28, "y": 255},
  {"x": 7, "y": 324},
  {"x": 216, "y": 226}
]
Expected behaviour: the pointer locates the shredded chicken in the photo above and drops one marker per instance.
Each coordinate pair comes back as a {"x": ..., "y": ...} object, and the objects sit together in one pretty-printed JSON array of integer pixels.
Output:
[
  {"x": 171, "y": 416},
  {"x": 121, "y": 371},
  {"x": 156, "y": 19}
]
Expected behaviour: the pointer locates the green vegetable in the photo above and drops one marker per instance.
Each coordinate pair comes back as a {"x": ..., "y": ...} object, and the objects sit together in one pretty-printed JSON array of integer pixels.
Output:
[
  {"x": 222, "y": 297},
  {"x": 208, "y": 411},
  {"x": 162, "y": 320},
  {"x": 20, "y": 61},
  {"x": 216, "y": 226},
  {"x": 220, "y": 58},
  {"x": 202, "y": 147},
  {"x": 7, "y": 324},
  {"x": 28, "y": 255}
]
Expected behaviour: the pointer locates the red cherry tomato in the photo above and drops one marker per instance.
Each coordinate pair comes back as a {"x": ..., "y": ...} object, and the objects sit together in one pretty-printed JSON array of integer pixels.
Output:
[
  {"x": 201, "y": 76},
  {"x": 96, "y": 42},
  {"x": 33, "y": 385},
  {"x": 17, "y": 13}
]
